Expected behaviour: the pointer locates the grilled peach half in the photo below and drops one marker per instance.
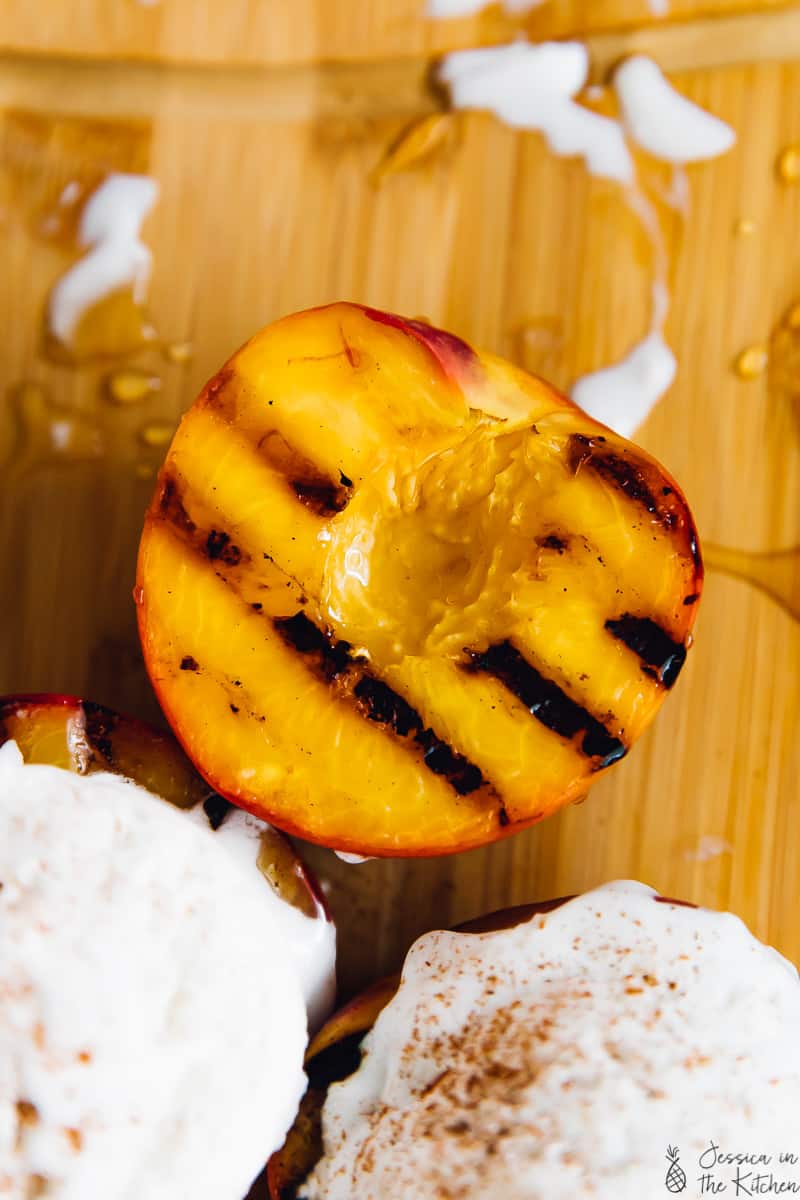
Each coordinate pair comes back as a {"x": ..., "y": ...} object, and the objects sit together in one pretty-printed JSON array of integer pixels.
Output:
[
  {"x": 77, "y": 735},
  {"x": 399, "y": 597},
  {"x": 335, "y": 1053}
]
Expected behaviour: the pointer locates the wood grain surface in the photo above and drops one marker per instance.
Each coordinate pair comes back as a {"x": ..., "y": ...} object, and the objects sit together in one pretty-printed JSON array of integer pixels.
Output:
[
  {"x": 308, "y": 31},
  {"x": 266, "y": 207}
]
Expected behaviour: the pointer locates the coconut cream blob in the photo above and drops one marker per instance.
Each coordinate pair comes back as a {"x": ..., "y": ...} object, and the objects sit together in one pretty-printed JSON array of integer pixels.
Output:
[
  {"x": 152, "y": 1021},
  {"x": 664, "y": 122},
  {"x": 310, "y": 941},
  {"x": 110, "y": 227},
  {"x": 623, "y": 395},
  {"x": 561, "y": 1057},
  {"x": 532, "y": 87}
]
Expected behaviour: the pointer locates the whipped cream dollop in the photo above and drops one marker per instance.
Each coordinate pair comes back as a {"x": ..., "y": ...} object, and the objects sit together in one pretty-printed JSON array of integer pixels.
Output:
[
  {"x": 152, "y": 1018},
  {"x": 562, "y": 1057}
]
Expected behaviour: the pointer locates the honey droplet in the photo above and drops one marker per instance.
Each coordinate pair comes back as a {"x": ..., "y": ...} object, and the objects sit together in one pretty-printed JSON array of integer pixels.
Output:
[
  {"x": 415, "y": 143},
  {"x": 792, "y": 318},
  {"x": 179, "y": 352},
  {"x": 156, "y": 434},
  {"x": 744, "y": 227},
  {"x": 114, "y": 327},
  {"x": 751, "y": 362},
  {"x": 788, "y": 164},
  {"x": 138, "y": 594},
  {"x": 784, "y": 359},
  {"x": 47, "y": 431},
  {"x": 130, "y": 386}
]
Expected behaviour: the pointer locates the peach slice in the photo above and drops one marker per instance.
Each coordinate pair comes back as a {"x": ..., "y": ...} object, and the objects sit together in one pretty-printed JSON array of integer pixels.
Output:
[
  {"x": 77, "y": 735},
  {"x": 399, "y": 597}
]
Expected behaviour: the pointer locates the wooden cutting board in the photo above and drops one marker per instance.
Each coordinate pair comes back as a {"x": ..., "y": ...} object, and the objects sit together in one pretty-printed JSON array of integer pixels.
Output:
[{"x": 262, "y": 124}]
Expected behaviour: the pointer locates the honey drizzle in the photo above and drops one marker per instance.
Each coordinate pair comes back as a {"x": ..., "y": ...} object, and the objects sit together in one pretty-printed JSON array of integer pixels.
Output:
[{"x": 776, "y": 573}]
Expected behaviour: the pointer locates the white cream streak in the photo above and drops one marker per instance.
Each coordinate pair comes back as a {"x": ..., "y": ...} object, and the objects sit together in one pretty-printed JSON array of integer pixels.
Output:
[
  {"x": 443, "y": 9},
  {"x": 664, "y": 122},
  {"x": 110, "y": 226},
  {"x": 532, "y": 87},
  {"x": 623, "y": 395}
]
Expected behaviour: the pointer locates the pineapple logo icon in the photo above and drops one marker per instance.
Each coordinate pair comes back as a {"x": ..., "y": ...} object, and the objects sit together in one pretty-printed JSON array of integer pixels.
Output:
[{"x": 676, "y": 1176}]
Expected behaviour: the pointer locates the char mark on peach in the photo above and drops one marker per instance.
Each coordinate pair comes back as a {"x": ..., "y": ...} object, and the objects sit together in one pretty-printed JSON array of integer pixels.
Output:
[
  {"x": 331, "y": 659},
  {"x": 642, "y": 483},
  {"x": 662, "y": 658},
  {"x": 171, "y": 506},
  {"x": 219, "y": 546},
  {"x": 324, "y": 499},
  {"x": 99, "y": 724},
  {"x": 310, "y": 484},
  {"x": 618, "y": 467},
  {"x": 216, "y": 544},
  {"x": 554, "y": 541},
  {"x": 216, "y": 809},
  {"x": 545, "y": 701},
  {"x": 334, "y": 661}
]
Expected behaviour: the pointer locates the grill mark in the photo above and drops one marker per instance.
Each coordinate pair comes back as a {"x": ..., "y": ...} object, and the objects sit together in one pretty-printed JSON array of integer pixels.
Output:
[
  {"x": 332, "y": 659},
  {"x": 384, "y": 706},
  {"x": 216, "y": 809},
  {"x": 323, "y": 495},
  {"x": 99, "y": 725},
  {"x": 322, "y": 498},
  {"x": 615, "y": 465},
  {"x": 554, "y": 541},
  {"x": 378, "y": 702},
  {"x": 663, "y": 657},
  {"x": 216, "y": 545},
  {"x": 643, "y": 483},
  {"x": 220, "y": 546},
  {"x": 218, "y": 395},
  {"x": 545, "y": 701},
  {"x": 171, "y": 507}
]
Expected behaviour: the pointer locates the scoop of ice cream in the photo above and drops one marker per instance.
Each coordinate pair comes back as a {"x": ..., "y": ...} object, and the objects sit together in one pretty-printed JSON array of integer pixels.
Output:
[
  {"x": 564, "y": 1056},
  {"x": 152, "y": 1018},
  {"x": 311, "y": 941}
]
